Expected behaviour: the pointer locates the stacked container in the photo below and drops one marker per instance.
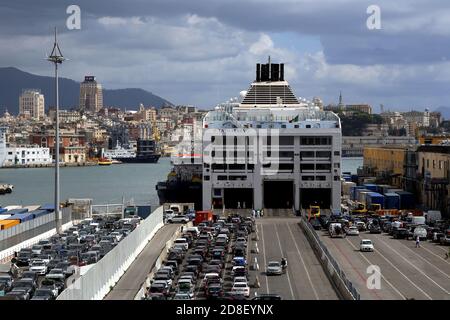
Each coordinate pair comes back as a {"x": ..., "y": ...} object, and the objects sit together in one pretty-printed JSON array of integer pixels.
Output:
[
  {"x": 7, "y": 223},
  {"x": 371, "y": 187},
  {"x": 374, "y": 198},
  {"x": 391, "y": 200},
  {"x": 407, "y": 200},
  {"x": 22, "y": 217}
]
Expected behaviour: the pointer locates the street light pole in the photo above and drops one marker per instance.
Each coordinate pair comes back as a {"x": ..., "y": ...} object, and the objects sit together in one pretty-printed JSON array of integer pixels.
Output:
[{"x": 56, "y": 58}]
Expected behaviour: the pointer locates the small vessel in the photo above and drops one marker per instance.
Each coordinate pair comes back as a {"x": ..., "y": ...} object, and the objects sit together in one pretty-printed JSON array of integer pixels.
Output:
[{"x": 104, "y": 162}]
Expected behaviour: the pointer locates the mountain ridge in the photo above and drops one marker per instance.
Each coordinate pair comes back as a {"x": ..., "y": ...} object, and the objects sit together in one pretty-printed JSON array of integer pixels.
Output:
[{"x": 14, "y": 80}]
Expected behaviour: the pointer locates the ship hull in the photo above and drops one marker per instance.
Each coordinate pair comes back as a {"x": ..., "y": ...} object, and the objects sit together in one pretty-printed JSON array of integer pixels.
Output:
[
  {"x": 180, "y": 192},
  {"x": 146, "y": 159}
]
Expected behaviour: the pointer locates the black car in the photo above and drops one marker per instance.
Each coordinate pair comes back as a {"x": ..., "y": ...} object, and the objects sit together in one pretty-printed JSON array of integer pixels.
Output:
[
  {"x": 18, "y": 294},
  {"x": 214, "y": 291},
  {"x": 6, "y": 282},
  {"x": 22, "y": 259},
  {"x": 43, "y": 294},
  {"x": 269, "y": 296},
  {"x": 401, "y": 233},
  {"x": 27, "y": 285}
]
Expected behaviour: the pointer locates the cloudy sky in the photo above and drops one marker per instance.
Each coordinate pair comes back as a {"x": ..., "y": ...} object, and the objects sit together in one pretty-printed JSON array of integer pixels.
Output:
[{"x": 203, "y": 52}]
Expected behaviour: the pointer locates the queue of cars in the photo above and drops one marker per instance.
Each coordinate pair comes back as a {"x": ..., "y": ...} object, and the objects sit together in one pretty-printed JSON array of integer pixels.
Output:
[
  {"x": 40, "y": 272},
  {"x": 208, "y": 261},
  {"x": 399, "y": 227}
]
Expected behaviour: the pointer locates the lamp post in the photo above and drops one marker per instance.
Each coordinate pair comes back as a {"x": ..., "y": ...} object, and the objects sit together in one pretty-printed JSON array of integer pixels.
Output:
[{"x": 56, "y": 58}]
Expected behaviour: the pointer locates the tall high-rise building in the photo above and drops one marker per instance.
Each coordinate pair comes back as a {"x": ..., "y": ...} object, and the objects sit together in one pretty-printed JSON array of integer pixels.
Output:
[
  {"x": 32, "y": 104},
  {"x": 91, "y": 95}
]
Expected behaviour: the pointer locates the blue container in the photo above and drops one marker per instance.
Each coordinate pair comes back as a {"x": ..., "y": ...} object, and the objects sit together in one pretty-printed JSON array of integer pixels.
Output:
[
  {"x": 3, "y": 210},
  {"x": 48, "y": 206},
  {"x": 371, "y": 187},
  {"x": 407, "y": 200},
  {"x": 375, "y": 198},
  {"x": 347, "y": 178},
  {"x": 22, "y": 217},
  {"x": 144, "y": 211},
  {"x": 391, "y": 200},
  {"x": 17, "y": 211},
  {"x": 38, "y": 213}
]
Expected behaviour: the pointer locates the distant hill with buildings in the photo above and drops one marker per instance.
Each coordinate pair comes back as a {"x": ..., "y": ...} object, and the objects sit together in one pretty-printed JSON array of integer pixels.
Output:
[
  {"x": 445, "y": 111},
  {"x": 13, "y": 80}
]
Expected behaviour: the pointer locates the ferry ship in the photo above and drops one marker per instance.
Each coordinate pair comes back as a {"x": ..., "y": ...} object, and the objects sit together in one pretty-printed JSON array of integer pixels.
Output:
[
  {"x": 270, "y": 149},
  {"x": 146, "y": 153}
]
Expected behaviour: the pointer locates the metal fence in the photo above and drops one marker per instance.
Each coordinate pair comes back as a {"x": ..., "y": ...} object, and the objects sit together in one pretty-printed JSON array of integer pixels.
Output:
[
  {"x": 332, "y": 262},
  {"x": 102, "y": 276}
]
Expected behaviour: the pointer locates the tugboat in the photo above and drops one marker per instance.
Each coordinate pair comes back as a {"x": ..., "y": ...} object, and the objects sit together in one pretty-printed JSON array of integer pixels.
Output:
[{"x": 104, "y": 162}]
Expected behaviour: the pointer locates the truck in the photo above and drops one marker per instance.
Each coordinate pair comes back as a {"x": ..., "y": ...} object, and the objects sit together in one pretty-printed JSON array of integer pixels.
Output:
[
  {"x": 359, "y": 208},
  {"x": 375, "y": 200},
  {"x": 336, "y": 230},
  {"x": 201, "y": 216},
  {"x": 432, "y": 216},
  {"x": 407, "y": 200},
  {"x": 391, "y": 200}
]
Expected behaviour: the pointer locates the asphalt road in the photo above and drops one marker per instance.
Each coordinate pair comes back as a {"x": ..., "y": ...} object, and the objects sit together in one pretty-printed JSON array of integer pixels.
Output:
[
  {"x": 406, "y": 272},
  {"x": 130, "y": 283},
  {"x": 304, "y": 278}
]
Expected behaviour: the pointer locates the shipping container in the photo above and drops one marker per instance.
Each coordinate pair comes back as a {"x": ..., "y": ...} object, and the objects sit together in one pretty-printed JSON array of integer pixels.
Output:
[
  {"x": 355, "y": 178},
  {"x": 375, "y": 198},
  {"x": 48, "y": 207},
  {"x": 353, "y": 192},
  {"x": 22, "y": 217},
  {"x": 383, "y": 188},
  {"x": 32, "y": 208},
  {"x": 347, "y": 188},
  {"x": 391, "y": 200},
  {"x": 358, "y": 193},
  {"x": 393, "y": 190},
  {"x": 347, "y": 178},
  {"x": 17, "y": 211},
  {"x": 3, "y": 210},
  {"x": 371, "y": 187},
  {"x": 4, "y": 216},
  {"x": 144, "y": 211},
  {"x": 13, "y": 207},
  {"x": 38, "y": 213},
  {"x": 6, "y": 224},
  {"x": 407, "y": 200},
  {"x": 363, "y": 196}
]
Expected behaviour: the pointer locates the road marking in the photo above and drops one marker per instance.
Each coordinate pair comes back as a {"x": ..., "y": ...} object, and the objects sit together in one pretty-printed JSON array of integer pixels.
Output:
[
  {"x": 418, "y": 255},
  {"x": 422, "y": 246},
  {"x": 414, "y": 266},
  {"x": 370, "y": 263},
  {"x": 303, "y": 262},
  {"x": 287, "y": 271},
  {"x": 264, "y": 257},
  {"x": 398, "y": 270}
]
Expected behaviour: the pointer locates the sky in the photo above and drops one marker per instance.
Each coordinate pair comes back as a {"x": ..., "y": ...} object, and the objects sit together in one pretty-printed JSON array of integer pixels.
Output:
[{"x": 203, "y": 52}]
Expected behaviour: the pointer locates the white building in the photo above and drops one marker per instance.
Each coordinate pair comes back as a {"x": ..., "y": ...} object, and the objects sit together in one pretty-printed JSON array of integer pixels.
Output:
[
  {"x": 32, "y": 104},
  {"x": 22, "y": 155},
  {"x": 271, "y": 150}
]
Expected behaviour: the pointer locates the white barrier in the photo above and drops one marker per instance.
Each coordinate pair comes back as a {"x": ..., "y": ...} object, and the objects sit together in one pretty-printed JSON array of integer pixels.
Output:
[
  {"x": 98, "y": 280},
  {"x": 7, "y": 254}
]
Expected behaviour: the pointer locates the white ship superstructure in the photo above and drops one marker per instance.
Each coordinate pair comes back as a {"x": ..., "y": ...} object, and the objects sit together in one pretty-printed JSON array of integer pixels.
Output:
[
  {"x": 118, "y": 152},
  {"x": 271, "y": 150}
]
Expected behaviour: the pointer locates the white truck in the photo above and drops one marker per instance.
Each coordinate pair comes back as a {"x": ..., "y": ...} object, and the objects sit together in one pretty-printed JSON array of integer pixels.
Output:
[{"x": 336, "y": 230}]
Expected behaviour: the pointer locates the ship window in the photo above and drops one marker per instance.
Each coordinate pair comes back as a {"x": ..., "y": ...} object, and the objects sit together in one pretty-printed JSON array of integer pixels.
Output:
[
  {"x": 306, "y": 154},
  {"x": 206, "y": 165},
  {"x": 306, "y": 166},
  {"x": 250, "y": 166},
  {"x": 308, "y": 178},
  {"x": 337, "y": 153},
  {"x": 336, "y": 178},
  {"x": 321, "y": 178},
  {"x": 308, "y": 126},
  {"x": 323, "y": 166},
  {"x": 213, "y": 139},
  {"x": 222, "y": 178}
]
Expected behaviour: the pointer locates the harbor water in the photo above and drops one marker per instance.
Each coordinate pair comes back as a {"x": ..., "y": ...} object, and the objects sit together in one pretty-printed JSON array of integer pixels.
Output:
[{"x": 103, "y": 184}]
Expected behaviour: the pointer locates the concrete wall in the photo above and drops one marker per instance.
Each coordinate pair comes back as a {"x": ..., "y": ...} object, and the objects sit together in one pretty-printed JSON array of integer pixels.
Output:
[
  {"x": 99, "y": 279},
  {"x": 337, "y": 277}
]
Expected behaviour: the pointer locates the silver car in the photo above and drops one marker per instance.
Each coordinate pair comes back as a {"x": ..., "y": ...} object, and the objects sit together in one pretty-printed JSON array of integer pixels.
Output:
[{"x": 274, "y": 268}]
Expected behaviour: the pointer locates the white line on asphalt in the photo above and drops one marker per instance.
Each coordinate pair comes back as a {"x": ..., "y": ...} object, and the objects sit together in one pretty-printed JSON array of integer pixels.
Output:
[
  {"x": 287, "y": 271},
  {"x": 303, "y": 262},
  {"x": 370, "y": 263},
  {"x": 419, "y": 256},
  {"x": 414, "y": 266},
  {"x": 398, "y": 270},
  {"x": 264, "y": 257},
  {"x": 440, "y": 248}
]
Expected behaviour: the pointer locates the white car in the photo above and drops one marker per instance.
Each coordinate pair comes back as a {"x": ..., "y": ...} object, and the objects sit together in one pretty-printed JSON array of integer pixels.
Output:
[
  {"x": 36, "y": 249},
  {"x": 353, "y": 231},
  {"x": 366, "y": 245},
  {"x": 240, "y": 279},
  {"x": 39, "y": 267},
  {"x": 118, "y": 235},
  {"x": 241, "y": 288},
  {"x": 182, "y": 241},
  {"x": 361, "y": 226},
  {"x": 274, "y": 268},
  {"x": 178, "y": 219}
]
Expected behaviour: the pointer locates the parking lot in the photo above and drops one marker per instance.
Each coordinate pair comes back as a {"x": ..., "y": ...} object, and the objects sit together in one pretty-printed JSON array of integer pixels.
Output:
[
  {"x": 42, "y": 271},
  {"x": 272, "y": 239},
  {"x": 407, "y": 272}
]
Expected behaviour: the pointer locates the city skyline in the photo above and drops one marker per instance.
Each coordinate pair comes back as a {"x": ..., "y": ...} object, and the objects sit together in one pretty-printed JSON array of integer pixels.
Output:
[{"x": 193, "y": 53}]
